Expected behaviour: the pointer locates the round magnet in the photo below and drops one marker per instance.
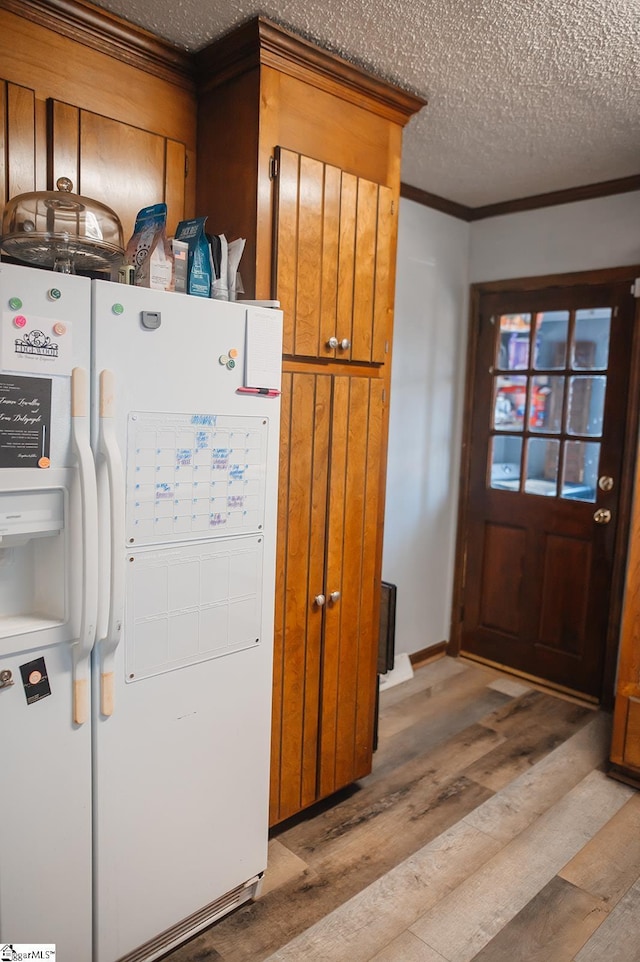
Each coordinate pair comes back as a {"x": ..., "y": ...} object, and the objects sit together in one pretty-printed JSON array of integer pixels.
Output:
[
  {"x": 15, "y": 303},
  {"x": 117, "y": 309},
  {"x": 20, "y": 320},
  {"x": 59, "y": 328},
  {"x": 44, "y": 462},
  {"x": 223, "y": 359},
  {"x": 233, "y": 352},
  {"x": 231, "y": 364},
  {"x": 35, "y": 677},
  {"x": 54, "y": 294}
]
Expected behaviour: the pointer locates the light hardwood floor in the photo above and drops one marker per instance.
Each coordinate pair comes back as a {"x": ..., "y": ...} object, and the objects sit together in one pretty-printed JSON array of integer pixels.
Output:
[{"x": 487, "y": 831}]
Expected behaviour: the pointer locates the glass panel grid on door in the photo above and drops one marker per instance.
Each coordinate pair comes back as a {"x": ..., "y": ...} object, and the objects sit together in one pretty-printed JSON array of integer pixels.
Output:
[{"x": 549, "y": 385}]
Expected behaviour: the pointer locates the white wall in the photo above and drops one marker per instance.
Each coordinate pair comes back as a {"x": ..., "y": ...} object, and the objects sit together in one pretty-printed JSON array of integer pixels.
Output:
[
  {"x": 438, "y": 257},
  {"x": 427, "y": 367},
  {"x": 554, "y": 240}
]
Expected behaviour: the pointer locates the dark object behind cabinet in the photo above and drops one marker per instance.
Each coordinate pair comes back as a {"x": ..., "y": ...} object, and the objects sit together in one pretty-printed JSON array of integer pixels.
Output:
[{"x": 387, "y": 636}]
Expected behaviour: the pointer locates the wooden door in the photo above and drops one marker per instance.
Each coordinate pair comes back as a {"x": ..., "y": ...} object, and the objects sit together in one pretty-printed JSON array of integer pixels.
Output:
[
  {"x": 332, "y": 269},
  {"x": 122, "y": 166},
  {"x": 17, "y": 141},
  {"x": 547, "y": 437},
  {"x": 325, "y": 625}
]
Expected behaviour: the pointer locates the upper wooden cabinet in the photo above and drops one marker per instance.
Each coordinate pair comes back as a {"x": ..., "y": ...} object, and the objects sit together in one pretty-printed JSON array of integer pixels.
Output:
[
  {"x": 332, "y": 260},
  {"x": 119, "y": 120},
  {"x": 122, "y": 166},
  {"x": 262, "y": 87}
]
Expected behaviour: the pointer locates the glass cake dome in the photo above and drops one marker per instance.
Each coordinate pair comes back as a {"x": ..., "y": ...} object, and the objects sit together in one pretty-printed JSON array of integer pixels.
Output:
[{"x": 62, "y": 230}]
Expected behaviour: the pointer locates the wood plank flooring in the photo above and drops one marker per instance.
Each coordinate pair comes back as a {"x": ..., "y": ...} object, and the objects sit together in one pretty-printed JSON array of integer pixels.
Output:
[{"x": 488, "y": 831}]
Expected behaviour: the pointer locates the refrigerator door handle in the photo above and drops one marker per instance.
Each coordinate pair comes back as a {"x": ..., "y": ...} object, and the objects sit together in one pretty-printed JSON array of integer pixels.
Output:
[
  {"x": 89, "y": 512},
  {"x": 112, "y": 588}
]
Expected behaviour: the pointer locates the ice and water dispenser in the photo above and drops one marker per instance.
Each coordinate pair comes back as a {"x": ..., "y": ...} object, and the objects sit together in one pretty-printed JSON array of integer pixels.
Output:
[{"x": 32, "y": 560}]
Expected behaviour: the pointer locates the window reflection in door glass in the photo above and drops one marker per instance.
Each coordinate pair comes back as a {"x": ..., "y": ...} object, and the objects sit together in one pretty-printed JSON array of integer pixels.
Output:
[
  {"x": 586, "y": 405},
  {"x": 580, "y": 474},
  {"x": 513, "y": 343},
  {"x": 545, "y": 406},
  {"x": 506, "y": 455},
  {"x": 542, "y": 466},
  {"x": 550, "y": 350},
  {"x": 591, "y": 339},
  {"x": 509, "y": 402}
]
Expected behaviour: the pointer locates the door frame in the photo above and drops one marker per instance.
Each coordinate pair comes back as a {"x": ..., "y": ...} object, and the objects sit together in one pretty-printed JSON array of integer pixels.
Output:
[{"x": 631, "y": 445}]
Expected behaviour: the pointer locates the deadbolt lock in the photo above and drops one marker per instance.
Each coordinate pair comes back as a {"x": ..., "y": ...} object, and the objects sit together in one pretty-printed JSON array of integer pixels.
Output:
[
  {"x": 602, "y": 516},
  {"x": 605, "y": 483}
]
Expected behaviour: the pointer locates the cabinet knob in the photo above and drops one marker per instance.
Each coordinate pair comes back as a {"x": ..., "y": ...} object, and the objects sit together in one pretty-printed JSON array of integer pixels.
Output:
[
  {"x": 345, "y": 343},
  {"x": 334, "y": 596},
  {"x": 332, "y": 342},
  {"x": 320, "y": 600}
]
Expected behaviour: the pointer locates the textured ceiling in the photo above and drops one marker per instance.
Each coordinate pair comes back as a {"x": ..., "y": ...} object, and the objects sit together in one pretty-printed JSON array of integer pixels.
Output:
[{"x": 525, "y": 96}]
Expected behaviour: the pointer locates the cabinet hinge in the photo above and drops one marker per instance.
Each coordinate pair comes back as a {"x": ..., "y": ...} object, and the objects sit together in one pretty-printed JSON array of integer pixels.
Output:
[
  {"x": 635, "y": 287},
  {"x": 386, "y": 347},
  {"x": 273, "y": 168},
  {"x": 384, "y": 395},
  {"x": 393, "y": 207}
]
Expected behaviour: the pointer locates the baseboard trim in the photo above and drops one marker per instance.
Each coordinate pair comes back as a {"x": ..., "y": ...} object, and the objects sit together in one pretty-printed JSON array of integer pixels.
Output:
[{"x": 418, "y": 658}]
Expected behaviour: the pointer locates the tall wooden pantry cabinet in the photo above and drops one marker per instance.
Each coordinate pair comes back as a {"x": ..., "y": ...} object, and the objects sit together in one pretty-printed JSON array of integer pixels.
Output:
[{"x": 299, "y": 152}]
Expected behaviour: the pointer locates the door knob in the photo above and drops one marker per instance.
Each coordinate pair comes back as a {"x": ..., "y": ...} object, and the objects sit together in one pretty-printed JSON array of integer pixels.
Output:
[
  {"x": 332, "y": 342},
  {"x": 605, "y": 483},
  {"x": 334, "y": 596},
  {"x": 602, "y": 516},
  {"x": 320, "y": 600},
  {"x": 345, "y": 343}
]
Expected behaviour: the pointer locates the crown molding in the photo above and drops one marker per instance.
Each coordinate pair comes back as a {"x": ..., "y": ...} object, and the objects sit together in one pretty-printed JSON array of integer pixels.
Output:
[
  {"x": 260, "y": 42},
  {"x": 104, "y": 32},
  {"x": 572, "y": 195}
]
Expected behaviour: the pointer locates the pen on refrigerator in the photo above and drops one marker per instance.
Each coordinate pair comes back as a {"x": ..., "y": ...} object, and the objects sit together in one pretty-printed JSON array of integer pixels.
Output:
[{"x": 264, "y": 391}]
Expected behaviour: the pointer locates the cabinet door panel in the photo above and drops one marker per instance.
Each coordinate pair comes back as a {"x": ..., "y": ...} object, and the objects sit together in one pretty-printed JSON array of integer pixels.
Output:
[
  {"x": 286, "y": 243},
  {"x": 17, "y": 141},
  {"x": 365, "y": 269},
  {"x": 122, "y": 166},
  {"x": 351, "y": 632},
  {"x": 332, "y": 270},
  {"x": 383, "y": 296},
  {"x": 310, "y": 204},
  {"x": 301, "y": 546}
]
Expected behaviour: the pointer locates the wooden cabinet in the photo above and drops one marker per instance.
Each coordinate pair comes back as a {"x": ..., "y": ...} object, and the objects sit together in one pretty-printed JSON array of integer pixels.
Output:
[
  {"x": 625, "y": 747},
  {"x": 122, "y": 166},
  {"x": 325, "y": 662},
  {"x": 331, "y": 260},
  {"x": 299, "y": 152},
  {"x": 119, "y": 120}
]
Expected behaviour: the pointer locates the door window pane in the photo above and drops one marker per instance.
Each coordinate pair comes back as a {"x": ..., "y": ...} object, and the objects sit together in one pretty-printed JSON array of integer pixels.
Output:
[
  {"x": 550, "y": 351},
  {"x": 542, "y": 466},
  {"x": 586, "y": 405},
  {"x": 580, "y": 474},
  {"x": 506, "y": 455},
  {"x": 591, "y": 339},
  {"x": 509, "y": 403},
  {"x": 545, "y": 408},
  {"x": 513, "y": 351}
]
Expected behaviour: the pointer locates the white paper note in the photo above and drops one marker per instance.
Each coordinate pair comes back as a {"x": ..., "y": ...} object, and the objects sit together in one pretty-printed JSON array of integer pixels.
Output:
[{"x": 263, "y": 367}]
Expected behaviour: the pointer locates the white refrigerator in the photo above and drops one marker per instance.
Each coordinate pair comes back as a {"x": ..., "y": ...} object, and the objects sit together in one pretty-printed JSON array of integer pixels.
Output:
[{"x": 138, "y": 490}]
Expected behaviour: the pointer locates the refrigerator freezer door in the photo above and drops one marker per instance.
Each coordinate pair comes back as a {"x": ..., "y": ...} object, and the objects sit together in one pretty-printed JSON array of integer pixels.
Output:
[
  {"x": 182, "y": 757},
  {"x": 45, "y": 812}
]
